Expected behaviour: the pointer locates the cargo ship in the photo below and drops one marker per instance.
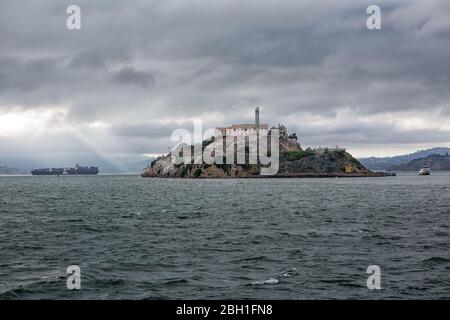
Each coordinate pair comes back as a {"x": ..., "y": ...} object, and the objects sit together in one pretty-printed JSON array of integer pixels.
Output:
[{"x": 64, "y": 171}]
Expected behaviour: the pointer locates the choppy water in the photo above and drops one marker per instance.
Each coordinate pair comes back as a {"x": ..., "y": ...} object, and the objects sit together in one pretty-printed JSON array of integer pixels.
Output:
[{"x": 274, "y": 239}]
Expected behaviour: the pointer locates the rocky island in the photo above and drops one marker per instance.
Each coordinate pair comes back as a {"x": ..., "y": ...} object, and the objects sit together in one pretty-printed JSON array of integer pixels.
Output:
[{"x": 293, "y": 161}]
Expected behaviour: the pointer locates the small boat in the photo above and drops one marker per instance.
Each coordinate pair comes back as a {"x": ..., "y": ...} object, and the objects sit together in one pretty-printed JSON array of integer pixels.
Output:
[{"x": 425, "y": 171}]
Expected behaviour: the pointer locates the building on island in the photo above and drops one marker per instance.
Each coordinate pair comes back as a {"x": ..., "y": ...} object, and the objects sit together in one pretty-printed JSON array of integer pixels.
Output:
[
  {"x": 321, "y": 150},
  {"x": 243, "y": 129}
]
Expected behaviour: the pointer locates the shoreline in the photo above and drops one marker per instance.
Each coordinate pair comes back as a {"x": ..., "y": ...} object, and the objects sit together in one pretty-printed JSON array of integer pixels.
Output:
[{"x": 291, "y": 175}]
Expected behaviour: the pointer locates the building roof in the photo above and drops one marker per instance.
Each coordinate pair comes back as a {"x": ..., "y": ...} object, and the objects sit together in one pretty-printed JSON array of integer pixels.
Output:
[{"x": 244, "y": 126}]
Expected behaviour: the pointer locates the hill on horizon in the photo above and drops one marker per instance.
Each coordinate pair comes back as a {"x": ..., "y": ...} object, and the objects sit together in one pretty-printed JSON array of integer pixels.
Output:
[
  {"x": 10, "y": 170},
  {"x": 436, "y": 162},
  {"x": 385, "y": 163}
]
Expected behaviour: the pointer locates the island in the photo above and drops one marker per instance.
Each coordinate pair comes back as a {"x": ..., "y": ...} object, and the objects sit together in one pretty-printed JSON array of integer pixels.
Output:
[{"x": 292, "y": 161}]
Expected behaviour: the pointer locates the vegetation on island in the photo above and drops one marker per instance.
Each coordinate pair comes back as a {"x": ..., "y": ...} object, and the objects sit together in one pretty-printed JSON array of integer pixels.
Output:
[{"x": 297, "y": 155}]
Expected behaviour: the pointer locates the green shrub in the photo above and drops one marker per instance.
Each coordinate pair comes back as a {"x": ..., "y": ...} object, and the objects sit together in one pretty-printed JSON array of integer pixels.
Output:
[
  {"x": 185, "y": 170},
  {"x": 297, "y": 155},
  {"x": 197, "y": 172},
  {"x": 293, "y": 136}
]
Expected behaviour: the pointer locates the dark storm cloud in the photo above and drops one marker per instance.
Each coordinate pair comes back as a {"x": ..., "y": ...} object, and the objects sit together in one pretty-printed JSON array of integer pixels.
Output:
[
  {"x": 129, "y": 75},
  {"x": 89, "y": 59},
  {"x": 22, "y": 75},
  {"x": 141, "y": 68}
]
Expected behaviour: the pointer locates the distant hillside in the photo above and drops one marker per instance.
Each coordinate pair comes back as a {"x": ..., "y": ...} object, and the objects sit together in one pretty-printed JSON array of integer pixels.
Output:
[
  {"x": 387, "y": 162},
  {"x": 436, "y": 162},
  {"x": 9, "y": 170}
]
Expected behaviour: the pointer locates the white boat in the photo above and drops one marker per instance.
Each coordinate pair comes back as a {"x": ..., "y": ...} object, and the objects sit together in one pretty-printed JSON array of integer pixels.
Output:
[{"x": 425, "y": 171}]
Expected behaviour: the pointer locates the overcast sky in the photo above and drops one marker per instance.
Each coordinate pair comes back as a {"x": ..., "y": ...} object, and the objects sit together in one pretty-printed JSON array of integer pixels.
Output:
[{"x": 139, "y": 69}]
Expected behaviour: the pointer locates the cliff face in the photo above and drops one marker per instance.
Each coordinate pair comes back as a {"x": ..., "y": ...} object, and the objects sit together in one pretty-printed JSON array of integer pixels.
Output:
[
  {"x": 326, "y": 162},
  {"x": 293, "y": 161},
  {"x": 164, "y": 167},
  {"x": 436, "y": 162}
]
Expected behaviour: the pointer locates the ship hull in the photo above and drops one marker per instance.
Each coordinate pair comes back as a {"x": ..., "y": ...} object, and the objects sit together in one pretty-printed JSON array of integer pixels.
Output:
[
  {"x": 57, "y": 174},
  {"x": 424, "y": 172},
  {"x": 47, "y": 172},
  {"x": 77, "y": 170}
]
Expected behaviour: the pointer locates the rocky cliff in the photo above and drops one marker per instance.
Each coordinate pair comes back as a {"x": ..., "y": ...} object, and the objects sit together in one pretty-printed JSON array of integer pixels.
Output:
[
  {"x": 309, "y": 161},
  {"x": 293, "y": 161}
]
